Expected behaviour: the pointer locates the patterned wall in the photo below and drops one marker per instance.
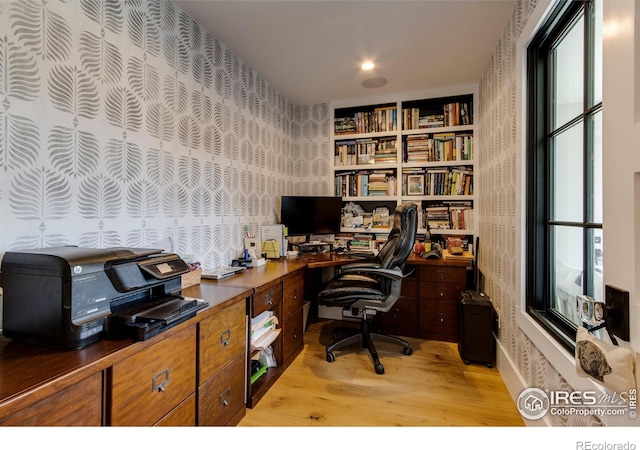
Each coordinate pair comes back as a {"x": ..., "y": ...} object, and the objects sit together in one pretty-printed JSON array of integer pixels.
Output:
[
  {"x": 500, "y": 121},
  {"x": 124, "y": 123}
]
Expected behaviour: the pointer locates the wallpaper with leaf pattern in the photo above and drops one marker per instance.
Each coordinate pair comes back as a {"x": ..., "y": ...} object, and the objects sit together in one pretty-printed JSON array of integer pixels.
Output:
[
  {"x": 500, "y": 122},
  {"x": 125, "y": 123}
]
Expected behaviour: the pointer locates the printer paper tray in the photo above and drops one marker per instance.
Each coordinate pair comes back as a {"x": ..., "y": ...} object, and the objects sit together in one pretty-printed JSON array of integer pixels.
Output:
[{"x": 142, "y": 322}]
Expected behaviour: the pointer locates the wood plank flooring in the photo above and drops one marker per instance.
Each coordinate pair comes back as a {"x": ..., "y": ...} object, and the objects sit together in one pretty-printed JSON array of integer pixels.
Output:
[{"x": 432, "y": 387}]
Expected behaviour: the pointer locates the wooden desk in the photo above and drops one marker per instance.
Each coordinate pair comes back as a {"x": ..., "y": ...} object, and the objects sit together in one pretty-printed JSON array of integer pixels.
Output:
[
  {"x": 277, "y": 286},
  {"x": 41, "y": 386},
  {"x": 98, "y": 385},
  {"x": 322, "y": 260}
]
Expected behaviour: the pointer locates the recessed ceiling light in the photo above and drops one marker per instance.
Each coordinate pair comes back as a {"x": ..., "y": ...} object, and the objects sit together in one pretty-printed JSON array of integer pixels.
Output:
[
  {"x": 367, "y": 65},
  {"x": 374, "y": 82}
]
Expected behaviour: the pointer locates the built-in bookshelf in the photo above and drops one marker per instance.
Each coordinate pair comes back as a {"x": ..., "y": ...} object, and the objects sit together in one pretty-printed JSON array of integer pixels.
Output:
[{"x": 411, "y": 148}]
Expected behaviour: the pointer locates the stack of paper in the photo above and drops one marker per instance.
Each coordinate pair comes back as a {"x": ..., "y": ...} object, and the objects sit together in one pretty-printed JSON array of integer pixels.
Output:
[
  {"x": 273, "y": 242},
  {"x": 263, "y": 330}
]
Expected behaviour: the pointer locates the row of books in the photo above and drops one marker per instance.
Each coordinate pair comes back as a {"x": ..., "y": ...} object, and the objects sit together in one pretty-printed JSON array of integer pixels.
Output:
[
  {"x": 363, "y": 241},
  {"x": 453, "y": 114},
  {"x": 411, "y": 119},
  {"x": 379, "y": 120},
  {"x": 457, "y": 113},
  {"x": 439, "y": 147},
  {"x": 442, "y": 215},
  {"x": 438, "y": 181},
  {"x": 374, "y": 183},
  {"x": 449, "y": 216},
  {"x": 366, "y": 151}
]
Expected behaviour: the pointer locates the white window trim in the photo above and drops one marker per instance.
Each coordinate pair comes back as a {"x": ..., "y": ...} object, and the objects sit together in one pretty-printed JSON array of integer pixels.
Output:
[{"x": 552, "y": 350}]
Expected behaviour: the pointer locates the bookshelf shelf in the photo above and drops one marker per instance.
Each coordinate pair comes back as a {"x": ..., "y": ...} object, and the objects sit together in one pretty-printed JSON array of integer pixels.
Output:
[{"x": 423, "y": 143}]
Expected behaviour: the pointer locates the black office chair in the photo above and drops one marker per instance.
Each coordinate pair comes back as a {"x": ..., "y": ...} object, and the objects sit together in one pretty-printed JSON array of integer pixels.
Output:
[{"x": 369, "y": 287}]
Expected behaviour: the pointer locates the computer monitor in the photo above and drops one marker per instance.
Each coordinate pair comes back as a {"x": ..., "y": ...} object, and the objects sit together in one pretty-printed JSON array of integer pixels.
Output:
[{"x": 304, "y": 215}]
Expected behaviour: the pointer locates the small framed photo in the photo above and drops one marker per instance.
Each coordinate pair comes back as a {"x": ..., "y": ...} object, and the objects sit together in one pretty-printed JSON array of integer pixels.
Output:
[{"x": 415, "y": 184}]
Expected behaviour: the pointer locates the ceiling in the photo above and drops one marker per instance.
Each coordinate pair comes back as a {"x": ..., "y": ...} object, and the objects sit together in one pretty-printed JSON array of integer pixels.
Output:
[{"x": 311, "y": 51}]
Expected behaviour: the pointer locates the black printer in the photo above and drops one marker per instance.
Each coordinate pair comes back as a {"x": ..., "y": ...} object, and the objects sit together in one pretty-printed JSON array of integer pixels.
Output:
[{"x": 71, "y": 296}]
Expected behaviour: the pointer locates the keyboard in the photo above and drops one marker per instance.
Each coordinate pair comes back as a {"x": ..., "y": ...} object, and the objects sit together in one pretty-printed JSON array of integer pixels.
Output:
[{"x": 220, "y": 272}]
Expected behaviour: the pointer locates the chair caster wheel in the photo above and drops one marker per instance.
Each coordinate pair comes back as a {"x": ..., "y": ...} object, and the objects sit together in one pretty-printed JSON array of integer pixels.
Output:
[
  {"x": 466, "y": 361},
  {"x": 379, "y": 369},
  {"x": 331, "y": 357},
  {"x": 489, "y": 365},
  {"x": 408, "y": 351}
]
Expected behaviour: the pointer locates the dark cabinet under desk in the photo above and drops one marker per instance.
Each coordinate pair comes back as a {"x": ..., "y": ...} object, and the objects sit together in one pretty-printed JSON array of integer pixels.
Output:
[{"x": 428, "y": 307}]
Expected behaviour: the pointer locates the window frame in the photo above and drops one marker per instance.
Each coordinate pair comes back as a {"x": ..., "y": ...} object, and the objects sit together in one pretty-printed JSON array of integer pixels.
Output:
[{"x": 539, "y": 246}]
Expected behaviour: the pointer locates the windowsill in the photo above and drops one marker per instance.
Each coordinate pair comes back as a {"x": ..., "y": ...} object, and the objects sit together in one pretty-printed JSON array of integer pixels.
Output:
[
  {"x": 564, "y": 362},
  {"x": 559, "y": 357}
]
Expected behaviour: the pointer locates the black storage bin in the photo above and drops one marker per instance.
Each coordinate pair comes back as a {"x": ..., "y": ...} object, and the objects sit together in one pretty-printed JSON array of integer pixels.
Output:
[{"x": 477, "y": 319}]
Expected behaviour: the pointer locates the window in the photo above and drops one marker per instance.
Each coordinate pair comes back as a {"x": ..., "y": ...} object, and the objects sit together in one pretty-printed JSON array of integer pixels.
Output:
[{"x": 564, "y": 166}]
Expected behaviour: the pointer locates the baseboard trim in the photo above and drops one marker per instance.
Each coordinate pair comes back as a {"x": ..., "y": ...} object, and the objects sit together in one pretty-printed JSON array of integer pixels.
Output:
[{"x": 515, "y": 383}]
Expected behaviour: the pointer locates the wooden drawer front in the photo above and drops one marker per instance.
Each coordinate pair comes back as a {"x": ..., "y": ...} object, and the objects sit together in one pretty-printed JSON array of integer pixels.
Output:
[
  {"x": 439, "y": 317},
  {"x": 222, "y": 337},
  {"x": 80, "y": 404},
  {"x": 183, "y": 415},
  {"x": 292, "y": 333},
  {"x": 409, "y": 286},
  {"x": 266, "y": 298},
  {"x": 403, "y": 315},
  {"x": 441, "y": 291},
  {"x": 439, "y": 274},
  {"x": 221, "y": 397},
  {"x": 149, "y": 384},
  {"x": 293, "y": 292}
]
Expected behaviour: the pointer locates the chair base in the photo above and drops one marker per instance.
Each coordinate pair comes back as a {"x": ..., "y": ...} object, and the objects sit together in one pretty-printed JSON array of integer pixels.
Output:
[{"x": 366, "y": 337}]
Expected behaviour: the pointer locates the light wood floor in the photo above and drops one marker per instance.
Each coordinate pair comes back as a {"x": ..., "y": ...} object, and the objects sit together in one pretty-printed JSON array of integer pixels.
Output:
[{"x": 432, "y": 387}]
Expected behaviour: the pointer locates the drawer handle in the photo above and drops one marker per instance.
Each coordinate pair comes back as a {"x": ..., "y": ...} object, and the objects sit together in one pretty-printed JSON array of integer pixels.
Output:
[
  {"x": 441, "y": 293},
  {"x": 295, "y": 294},
  {"x": 295, "y": 333},
  {"x": 159, "y": 381},
  {"x": 225, "y": 337},
  {"x": 224, "y": 397},
  {"x": 270, "y": 298}
]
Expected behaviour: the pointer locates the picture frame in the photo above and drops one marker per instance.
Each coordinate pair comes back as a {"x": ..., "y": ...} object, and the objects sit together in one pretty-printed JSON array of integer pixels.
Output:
[{"x": 415, "y": 184}]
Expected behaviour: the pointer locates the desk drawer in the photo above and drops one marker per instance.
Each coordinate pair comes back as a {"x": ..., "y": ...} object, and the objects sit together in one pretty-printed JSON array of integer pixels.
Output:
[
  {"x": 222, "y": 337},
  {"x": 149, "y": 384},
  {"x": 293, "y": 292},
  {"x": 183, "y": 415},
  {"x": 221, "y": 397},
  {"x": 442, "y": 274},
  {"x": 292, "y": 334},
  {"x": 441, "y": 291},
  {"x": 402, "y": 318},
  {"x": 267, "y": 297},
  {"x": 439, "y": 317},
  {"x": 79, "y": 404}
]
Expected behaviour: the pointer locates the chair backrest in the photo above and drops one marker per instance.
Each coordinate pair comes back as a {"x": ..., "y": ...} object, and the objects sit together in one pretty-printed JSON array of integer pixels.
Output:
[{"x": 398, "y": 247}]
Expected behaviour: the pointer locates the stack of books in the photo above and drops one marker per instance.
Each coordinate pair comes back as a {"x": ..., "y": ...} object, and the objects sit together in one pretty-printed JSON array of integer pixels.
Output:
[{"x": 419, "y": 148}]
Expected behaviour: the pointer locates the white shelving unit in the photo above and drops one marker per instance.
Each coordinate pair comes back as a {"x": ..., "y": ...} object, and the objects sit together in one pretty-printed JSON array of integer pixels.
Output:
[{"x": 363, "y": 164}]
